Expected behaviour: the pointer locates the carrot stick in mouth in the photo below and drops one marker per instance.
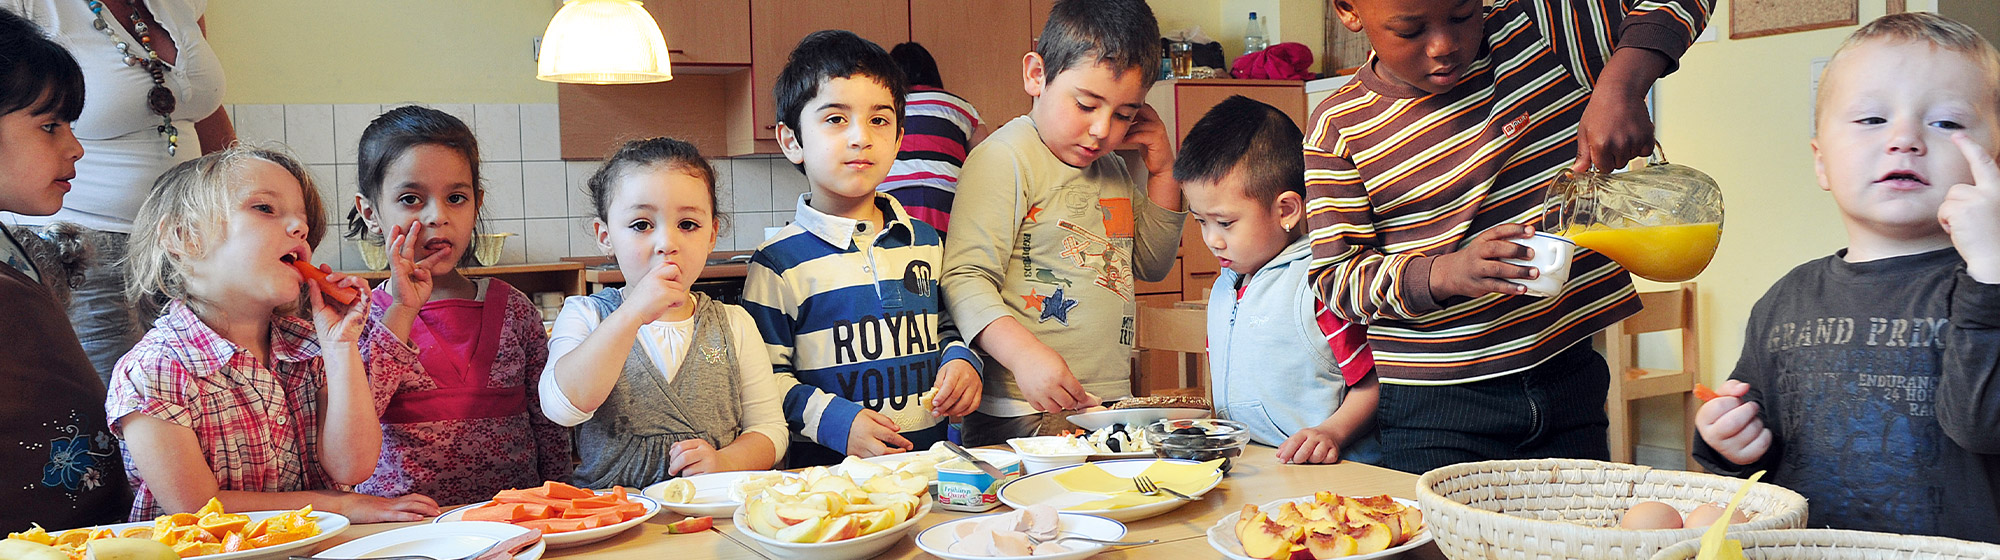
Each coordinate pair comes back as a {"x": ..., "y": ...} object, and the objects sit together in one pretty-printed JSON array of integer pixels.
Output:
[{"x": 342, "y": 294}]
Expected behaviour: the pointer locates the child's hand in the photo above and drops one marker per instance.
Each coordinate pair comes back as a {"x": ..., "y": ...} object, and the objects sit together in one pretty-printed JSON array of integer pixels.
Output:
[
  {"x": 695, "y": 456},
  {"x": 958, "y": 389},
  {"x": 874, "y": 434},
  {"x": 334, "y": 322},
  {"x": 1731, "y": 426},
  {"x": 1971, "y": 213},
  {"x": 657, "y": 292},
  {"x": 1151, "y": 134},
  {"x": 409, "y": 280},
  {"x": 1476, "y": 270},
  {"x": 1310, "y": 446},
  {"x": 1614, "y": 129},
  {"x": 1048, "y": 384},
  {"x": 363, "y": 508}
]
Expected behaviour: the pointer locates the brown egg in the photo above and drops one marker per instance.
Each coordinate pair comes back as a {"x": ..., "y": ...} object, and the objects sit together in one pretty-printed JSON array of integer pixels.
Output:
[
  {"x": 1705, "y": 514},
  {"x": 1651, "y": 515}
]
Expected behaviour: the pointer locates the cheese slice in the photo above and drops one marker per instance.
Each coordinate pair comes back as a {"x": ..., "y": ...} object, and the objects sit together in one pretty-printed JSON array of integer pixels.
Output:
[{"x": 1119, "y": 492}]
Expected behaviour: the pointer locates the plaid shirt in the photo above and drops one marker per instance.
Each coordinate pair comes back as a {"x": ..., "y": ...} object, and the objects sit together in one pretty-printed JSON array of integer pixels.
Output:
[{"x": 258, "y": 426}]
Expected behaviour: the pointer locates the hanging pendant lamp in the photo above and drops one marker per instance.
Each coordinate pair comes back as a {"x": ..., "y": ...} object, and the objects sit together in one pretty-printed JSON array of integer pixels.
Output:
[{"x": 603, "y": 42}]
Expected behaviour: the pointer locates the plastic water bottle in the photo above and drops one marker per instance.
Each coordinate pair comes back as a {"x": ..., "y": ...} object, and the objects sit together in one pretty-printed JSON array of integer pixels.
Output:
[{"x": 1253, "y": 35}]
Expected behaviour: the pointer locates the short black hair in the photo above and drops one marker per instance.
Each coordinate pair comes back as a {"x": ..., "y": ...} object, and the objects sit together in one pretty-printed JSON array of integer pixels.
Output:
[
  {"x": 918, "y": 66},
  {"x": 1243, "y": 133},
  {"x": 36, "y": 74},
  {"x": 1118, "y": 33},
  {"x": 393, "y": 134},
  {"x": 834, "y": 53}
]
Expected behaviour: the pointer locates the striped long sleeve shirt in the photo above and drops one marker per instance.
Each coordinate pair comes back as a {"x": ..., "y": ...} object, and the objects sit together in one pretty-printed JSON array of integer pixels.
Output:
[
  {"x": 853, "y": 319},
  {"x": 1396, "y": 177}
]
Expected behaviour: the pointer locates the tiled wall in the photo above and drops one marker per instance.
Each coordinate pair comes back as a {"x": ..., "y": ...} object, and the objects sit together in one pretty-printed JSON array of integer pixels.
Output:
[{"x": 530, "y": 190}]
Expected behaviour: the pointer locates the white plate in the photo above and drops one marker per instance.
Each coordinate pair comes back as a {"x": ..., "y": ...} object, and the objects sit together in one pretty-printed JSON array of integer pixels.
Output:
[
  {"x": 938, "y": 538},
  {"x": 1134, "y": 417},
  {"x": 1222, "y": 536},
  {"x": 330, "y": 524},
  {"x": 574, "y": 538},
  {"x": 1041, "y": 488},
  {"x": 851, "y": 549},
  {"x": 711, "y": 493},
  {"x": 437, "y": 540},
  {"x": 1072, "y": 457}
]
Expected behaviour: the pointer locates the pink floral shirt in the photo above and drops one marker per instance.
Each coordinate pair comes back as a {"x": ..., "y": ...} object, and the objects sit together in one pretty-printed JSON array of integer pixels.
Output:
[
  {"x": 258, "y": 426},
  {"x": 433, "y": 443}
]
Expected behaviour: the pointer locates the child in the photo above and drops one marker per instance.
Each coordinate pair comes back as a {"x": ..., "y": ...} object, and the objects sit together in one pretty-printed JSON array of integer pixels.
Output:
[
  {"x": 1301, "y": 379},
  {"x": 1867, "y": 378},
  {"x": 845, "y": 295},
  {"x": 1049, "y": 230},
  {"x": 456, "y": 382},
  {"x": 664, "y": 381},
  {"x": 1419, "y": 175},
  {"x": 939, "y": 127},
  {"x": 65, "y": 463},
  {"x": 231, "y": 395}
]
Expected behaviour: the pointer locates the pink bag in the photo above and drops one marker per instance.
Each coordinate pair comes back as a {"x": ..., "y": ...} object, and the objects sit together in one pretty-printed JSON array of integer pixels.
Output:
[{"x": 1283, "y": 61}]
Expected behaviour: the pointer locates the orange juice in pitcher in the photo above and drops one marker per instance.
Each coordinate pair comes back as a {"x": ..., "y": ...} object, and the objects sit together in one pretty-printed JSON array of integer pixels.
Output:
[{"x": 1662, "y": 222}]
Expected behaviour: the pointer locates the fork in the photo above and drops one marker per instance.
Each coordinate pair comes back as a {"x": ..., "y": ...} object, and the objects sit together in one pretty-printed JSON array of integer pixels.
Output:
[
  {"x": 1147, "y": 487},
  {"x": 1034, "y": 541}
]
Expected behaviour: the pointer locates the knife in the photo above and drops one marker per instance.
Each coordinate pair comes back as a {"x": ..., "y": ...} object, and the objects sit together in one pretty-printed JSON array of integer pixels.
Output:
[{"x": 984, "y": 466}]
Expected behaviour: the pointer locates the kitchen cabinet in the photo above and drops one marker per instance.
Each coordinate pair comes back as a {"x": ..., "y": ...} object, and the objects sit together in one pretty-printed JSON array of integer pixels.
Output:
[
  {"x": 978, "y": 47},
  {"x": 704, "y": 32}
]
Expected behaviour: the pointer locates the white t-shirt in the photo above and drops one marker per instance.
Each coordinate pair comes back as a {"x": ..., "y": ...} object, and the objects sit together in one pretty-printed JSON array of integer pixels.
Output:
[
  {"x": 123, "y": 151},
  {"x": 666, "y": 343}
]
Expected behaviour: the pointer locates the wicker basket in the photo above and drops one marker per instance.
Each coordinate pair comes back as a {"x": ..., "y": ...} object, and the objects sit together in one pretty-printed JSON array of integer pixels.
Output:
[
  {"x": 1834, "y": 544},
  {"x": 1569, "y": 508}
]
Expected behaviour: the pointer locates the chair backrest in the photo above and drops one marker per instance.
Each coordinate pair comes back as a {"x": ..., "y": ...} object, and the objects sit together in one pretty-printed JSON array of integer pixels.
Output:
[
  {"x": 1173, "y": 329},
  {"x": 1664, "y": 311}
]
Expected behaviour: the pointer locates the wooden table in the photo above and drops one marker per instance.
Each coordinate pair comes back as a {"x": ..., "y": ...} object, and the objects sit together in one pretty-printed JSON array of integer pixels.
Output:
[{"x": 1183, "y": 533}]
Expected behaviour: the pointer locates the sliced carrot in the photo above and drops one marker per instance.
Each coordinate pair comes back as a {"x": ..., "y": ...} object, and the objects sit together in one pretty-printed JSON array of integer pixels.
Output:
[
  {"x": 605, "y": 519},
  {"x": 531, "y": 498},
  {"x": 503, "y": 513},
  {"x": 553, "y": 526},
  {"x": 580, "y": 513},
  {"x": 538, "y": 511},
  {"x": 1704, "y": 393},
  {"x": 629, "y": 510},
  {"x": 562, "y": 491},
  {"x": 598, "y": 501}
]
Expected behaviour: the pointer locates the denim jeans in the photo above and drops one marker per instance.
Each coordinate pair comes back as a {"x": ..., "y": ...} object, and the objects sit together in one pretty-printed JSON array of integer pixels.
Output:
[
  {"x": 106, "y": 323},
  {"x": 1555, "y": 409}
]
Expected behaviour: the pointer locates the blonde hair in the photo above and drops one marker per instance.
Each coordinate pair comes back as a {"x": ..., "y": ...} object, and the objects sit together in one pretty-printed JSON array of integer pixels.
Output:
[
  {"x": 188, "y": 212},
  {"x": 1937, "y": 31}
]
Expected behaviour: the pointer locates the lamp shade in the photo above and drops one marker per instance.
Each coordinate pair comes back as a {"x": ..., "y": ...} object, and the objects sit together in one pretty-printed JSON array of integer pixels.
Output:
[{"x": 603, "y": 42}]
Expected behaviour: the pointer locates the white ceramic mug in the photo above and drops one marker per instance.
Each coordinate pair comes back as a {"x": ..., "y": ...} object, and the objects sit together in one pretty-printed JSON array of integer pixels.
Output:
[{"x": 1552, "y": 254}]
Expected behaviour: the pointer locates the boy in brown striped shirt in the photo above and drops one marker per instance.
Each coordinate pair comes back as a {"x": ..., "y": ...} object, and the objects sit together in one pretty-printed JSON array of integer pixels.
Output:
[{"x": 1422, "y": 170}]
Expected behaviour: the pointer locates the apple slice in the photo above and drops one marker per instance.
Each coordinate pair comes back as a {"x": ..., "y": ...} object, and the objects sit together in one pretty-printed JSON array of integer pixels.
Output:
[
  {"x": 839, "y": 529},
  {"x": 803, "y": 532},
  {"x": 875, "y": 522},
  {"x": 691, "y": 525},
  {"x": 794, "y": 514}
]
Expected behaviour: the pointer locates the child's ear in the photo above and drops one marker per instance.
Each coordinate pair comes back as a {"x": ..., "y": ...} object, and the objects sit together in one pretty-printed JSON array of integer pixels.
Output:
[
  {"x": 788, "y": 140},
  {"x": 1819, "y": 167},
  {"x": 367, "y": 212},
  {"x": 602, "y": 232},
  {"x": 1291, "y": 209},
  {"x": 1033, "y": 79},
  {"x": 1348, "y": 17}
]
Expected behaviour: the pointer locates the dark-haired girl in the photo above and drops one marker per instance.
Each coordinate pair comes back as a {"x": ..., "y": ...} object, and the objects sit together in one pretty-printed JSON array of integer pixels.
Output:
[{"x": 461, "y": 419}]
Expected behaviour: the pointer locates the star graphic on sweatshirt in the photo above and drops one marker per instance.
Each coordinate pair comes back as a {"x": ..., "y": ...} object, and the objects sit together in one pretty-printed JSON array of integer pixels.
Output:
[
  {"x": 1056, "y": 306},
  {"x": 1034, "y": 300}
]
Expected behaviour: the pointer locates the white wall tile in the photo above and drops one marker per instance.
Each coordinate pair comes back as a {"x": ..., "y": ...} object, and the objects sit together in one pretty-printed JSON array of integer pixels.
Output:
[
  {"x": 346, "y": 180},
  {"x": 504, "y": 193},
  {"x": 582, "y": 243},
  {"x": 348, "y": 122},
  {"x": 260, "y": 124},
  {"x": 543, "y": 186},
  {"x": 328, "y": 251},
  {"x": 547, "y": 239},
  {"x": 499, "y": 131},
  {"x": 541, "y": 132},
  {"x": 309, "y": 132},
  {"x": 750, "y": 229},
  {"x": 516, "y": 249},
  {"x": 750, "y": 182},
  {"x": 350, "y": 254},
  {"x": 787, "y": 183},
  {"x": 579, "y": 186}
]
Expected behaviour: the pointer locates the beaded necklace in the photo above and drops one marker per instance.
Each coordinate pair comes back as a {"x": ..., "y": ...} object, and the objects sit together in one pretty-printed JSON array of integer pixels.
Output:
[{"x": 159, "y": 100}]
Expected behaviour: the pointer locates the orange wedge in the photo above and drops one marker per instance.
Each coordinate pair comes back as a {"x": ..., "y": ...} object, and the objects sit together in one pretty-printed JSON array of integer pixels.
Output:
[
  {"x": 219, "y": 524},
  {"x": 213, "y": 506},
  {"x": 137, "y": 533},
  {"x": 234, "y": 542}
]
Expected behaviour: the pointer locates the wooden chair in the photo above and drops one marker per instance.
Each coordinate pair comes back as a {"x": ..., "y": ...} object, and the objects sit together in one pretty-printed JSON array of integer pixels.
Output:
[
  {"x": 1665, "y": 311},
  {"x": 1172, "y": 349}
]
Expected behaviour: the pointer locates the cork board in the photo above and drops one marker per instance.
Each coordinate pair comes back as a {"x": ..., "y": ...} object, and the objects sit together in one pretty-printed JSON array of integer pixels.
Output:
[{"x": 1757, "y": 18}]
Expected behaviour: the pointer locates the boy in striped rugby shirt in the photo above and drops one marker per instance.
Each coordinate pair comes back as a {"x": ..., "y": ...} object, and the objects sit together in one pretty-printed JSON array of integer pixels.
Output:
[
  {"x": 1422, "y": 171},
  {"x": 847, "y": 295}
]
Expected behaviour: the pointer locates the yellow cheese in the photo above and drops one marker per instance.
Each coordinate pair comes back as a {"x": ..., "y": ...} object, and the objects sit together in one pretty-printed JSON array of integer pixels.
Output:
[{"x": 1120, "y": 493}]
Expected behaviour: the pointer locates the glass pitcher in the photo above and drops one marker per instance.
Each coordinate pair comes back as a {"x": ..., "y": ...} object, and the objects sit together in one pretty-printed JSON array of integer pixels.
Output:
[{"x": 1661, "y": 222}]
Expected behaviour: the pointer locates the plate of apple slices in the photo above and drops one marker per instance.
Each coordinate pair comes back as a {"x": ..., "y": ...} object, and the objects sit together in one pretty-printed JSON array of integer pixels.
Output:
[
  {"x": 1321, "y": 526},
  {"x": 831, "y": 518}
]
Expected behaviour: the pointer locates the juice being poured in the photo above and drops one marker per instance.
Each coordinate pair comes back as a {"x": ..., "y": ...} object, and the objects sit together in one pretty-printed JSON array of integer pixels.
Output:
[{"x": 1673, "y": 253}]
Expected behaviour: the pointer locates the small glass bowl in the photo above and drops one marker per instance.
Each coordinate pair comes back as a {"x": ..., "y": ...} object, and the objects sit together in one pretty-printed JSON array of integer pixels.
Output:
[
  {"x": 486, "y": 247},
  {"x": 1218, "y": 439},
  {"x": 373, "y": 254}
]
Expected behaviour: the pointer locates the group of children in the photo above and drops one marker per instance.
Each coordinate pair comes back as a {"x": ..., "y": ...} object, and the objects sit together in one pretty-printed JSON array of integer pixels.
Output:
[{"x": 1866, "y": 381}]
